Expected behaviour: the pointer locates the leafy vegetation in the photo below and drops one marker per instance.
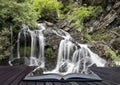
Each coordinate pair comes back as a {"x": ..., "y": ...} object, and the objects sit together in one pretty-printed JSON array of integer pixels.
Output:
[
  {"x": 97, "y": 36},
  {"x": 80, "y": 13},
  {"x": 112, "y": 54},
  {"x": 4, "y": 43},
  {"x": 16, "y": 13},
  {"x": 87, "y": 36},
  {"x": 47, "y": 9},
  {"x": 67, "y": 6}
]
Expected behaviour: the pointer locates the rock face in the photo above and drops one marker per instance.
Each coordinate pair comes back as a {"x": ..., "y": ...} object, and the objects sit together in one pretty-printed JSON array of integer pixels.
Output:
[
  {"x": 51, "y": 46},
  {"x": 116, "y": 44},
  {"x": 103, "y": 32},
  {"x": 51, "y": 50}
]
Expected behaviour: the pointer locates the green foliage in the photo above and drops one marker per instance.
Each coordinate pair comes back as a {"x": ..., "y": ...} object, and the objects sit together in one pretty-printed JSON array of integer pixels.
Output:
[
  {"x": 87, "y": 36},
  {"x": 80, "y": 14},
  {"x": 112, "y": 54},
  {"x": 49, "y": 53},
  {"x": 47, "y": 8},
  {"x": 4, "y": 43},
  {"x": 15, "y": 13},
  {"x": 97, "y": 11},
  {"x": 117, "y": 29},
  {"x": 95, "y": 2},
  {"x": 99, "y": 36},
  {"x": 116, "y": 60},
  {"x": 27, "y": 53},
  {"x": 67, "y": 6}
]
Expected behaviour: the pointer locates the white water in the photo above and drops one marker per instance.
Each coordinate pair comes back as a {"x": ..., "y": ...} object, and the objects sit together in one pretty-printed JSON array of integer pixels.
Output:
[
  {"x": 71, "y": 58},
  {"x": 11, "y": 41},
  {"x": 36, "y": 36}
]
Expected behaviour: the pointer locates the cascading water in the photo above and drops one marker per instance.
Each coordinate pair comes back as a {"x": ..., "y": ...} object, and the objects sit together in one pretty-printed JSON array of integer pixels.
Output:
[
  {"x": 72, "y": 57},
  {"x": 34, "y": 61},
  {"x": 36, "y": 36},
  {"x": 18, "y": 45},
  {"x": 11, "y": 41}
]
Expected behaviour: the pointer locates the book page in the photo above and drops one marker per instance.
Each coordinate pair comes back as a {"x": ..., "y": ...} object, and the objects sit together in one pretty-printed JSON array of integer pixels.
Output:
[
  {"x": 78, "y": 76},
  {"x": 43, "y": 77}
]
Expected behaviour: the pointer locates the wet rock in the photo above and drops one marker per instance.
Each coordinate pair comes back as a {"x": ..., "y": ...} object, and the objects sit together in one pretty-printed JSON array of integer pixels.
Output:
[{"x": 37, "y": 71}]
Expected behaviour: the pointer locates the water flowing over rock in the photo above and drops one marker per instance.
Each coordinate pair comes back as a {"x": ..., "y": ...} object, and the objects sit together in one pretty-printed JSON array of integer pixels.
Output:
[
  {"x": 35, "y": 59},
  {"x": 73, "y": 57}
]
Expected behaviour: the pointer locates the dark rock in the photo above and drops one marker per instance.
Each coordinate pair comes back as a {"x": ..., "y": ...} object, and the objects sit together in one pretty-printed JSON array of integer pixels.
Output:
[
  {"x": 49, "y": 23},
  {"x": 116, "y": 44},
  {"x": 37, "y": 71},
  {"x": 99, "y": 47}
]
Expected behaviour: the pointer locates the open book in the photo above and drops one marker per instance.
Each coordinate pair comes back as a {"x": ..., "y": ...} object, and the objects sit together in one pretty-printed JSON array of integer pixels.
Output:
[{"x": 67, "y": 77}]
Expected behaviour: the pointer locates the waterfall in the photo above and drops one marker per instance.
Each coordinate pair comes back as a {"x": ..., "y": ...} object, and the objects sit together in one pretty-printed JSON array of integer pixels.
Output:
[
  {"x": 11, "y": 49},
  {"x": 73, "y": 57},
  {"x": 36, "y": 37},
  {"x": 18, "y": 45}
]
